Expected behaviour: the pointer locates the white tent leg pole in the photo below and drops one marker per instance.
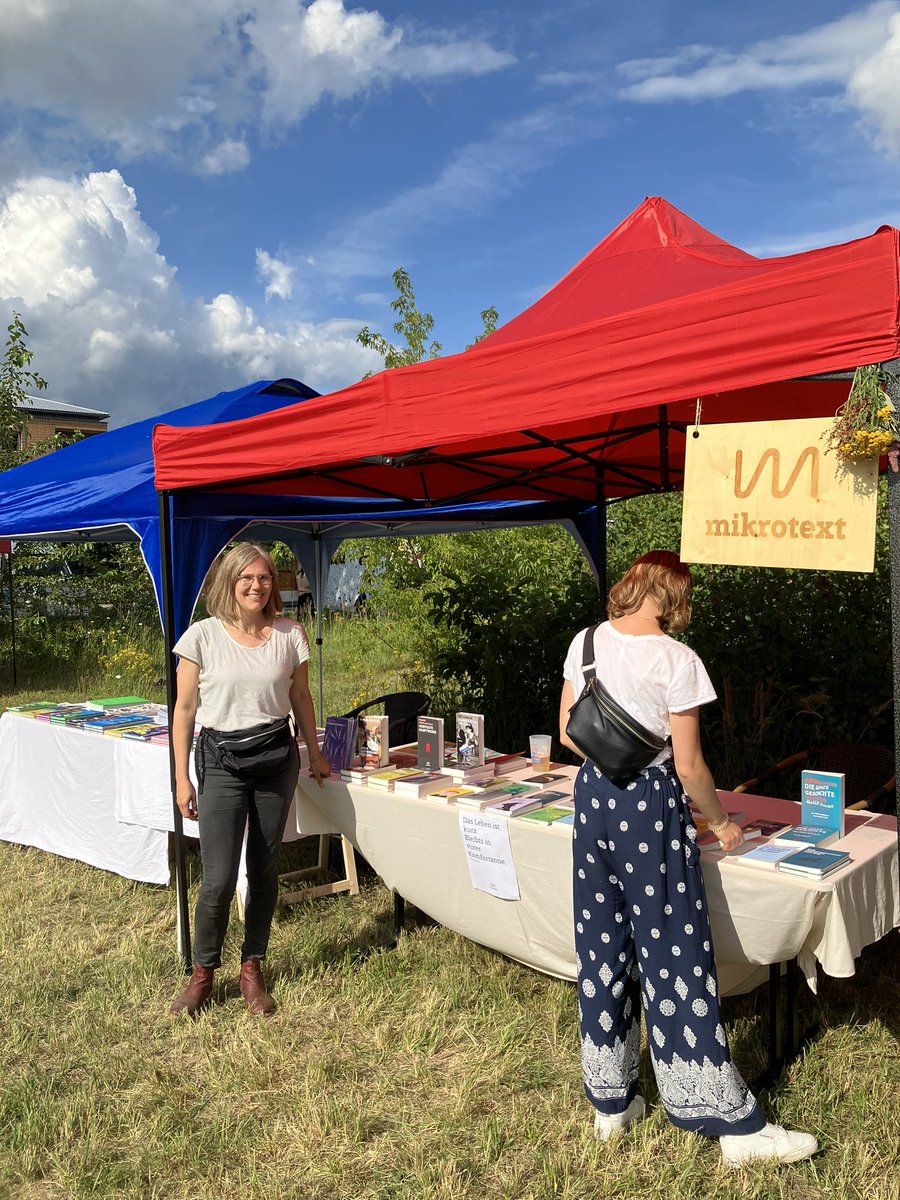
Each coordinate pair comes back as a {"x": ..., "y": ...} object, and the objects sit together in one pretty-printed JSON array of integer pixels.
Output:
[{"x": 319, "y": 603}]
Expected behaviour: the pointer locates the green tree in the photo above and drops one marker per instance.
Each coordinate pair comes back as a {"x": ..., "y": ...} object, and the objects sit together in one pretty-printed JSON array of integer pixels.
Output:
[
  {"x": 16, "y": 376},
  {"x": 415, "y": 328}
]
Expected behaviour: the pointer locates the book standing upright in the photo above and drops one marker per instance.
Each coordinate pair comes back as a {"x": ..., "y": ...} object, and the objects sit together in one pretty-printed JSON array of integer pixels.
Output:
[
  {"x": 470, "y": 739},
  {"x": 822, "y": 800}
]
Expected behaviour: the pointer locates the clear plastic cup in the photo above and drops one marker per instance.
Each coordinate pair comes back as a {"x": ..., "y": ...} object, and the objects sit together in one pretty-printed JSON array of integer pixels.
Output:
[{"x": 539, "y": 744}]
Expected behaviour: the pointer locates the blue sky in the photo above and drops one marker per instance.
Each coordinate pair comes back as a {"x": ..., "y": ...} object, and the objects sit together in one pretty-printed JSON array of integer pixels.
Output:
[{"x": 198, "y": 193}]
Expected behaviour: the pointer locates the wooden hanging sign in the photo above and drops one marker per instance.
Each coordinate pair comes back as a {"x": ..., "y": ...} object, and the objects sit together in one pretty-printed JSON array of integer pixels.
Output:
[{"x": 766, "y": 494}]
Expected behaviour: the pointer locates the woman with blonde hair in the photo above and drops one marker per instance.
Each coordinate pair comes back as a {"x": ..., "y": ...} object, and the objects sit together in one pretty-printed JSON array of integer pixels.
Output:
[
  {"x": 642, "y": 933},
  {"x": 243, "y": 672}
]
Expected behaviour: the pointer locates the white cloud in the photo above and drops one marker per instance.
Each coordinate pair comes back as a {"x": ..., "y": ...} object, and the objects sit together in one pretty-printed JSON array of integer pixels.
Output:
[
  {"x": 169, "y": 76},
  {"x": 109, "y": 324},
  {"x": 229, "y": 155},
  {"x": 875, "y": 90},
  {"x": 278, "y": 276},
  {"x": 859, "y": 52}
]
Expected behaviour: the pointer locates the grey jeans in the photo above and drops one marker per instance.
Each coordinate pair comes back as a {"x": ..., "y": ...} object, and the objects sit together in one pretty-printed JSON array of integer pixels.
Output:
[{"x": 224, "y": 806}]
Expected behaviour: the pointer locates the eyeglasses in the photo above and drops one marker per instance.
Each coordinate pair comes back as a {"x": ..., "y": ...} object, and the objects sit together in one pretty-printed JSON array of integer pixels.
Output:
[{"x": 262, "y": 580}]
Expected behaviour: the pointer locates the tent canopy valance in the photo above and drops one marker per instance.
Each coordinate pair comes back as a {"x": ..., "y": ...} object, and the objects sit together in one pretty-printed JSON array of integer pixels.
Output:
[{"x": 589, "y": 391}]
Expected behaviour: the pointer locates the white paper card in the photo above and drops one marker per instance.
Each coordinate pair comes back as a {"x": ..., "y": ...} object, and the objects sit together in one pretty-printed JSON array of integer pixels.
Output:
[{"x": 491, "y": 866}]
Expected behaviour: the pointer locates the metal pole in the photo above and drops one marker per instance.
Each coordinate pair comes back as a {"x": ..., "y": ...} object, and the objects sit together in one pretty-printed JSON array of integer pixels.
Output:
[
  {"x": 602, "y": 543},
  {"x": 12, "y": 617},
  {"x": 317, "y": 542},
  {"x": 181, "y": 891},
  {"x": 893, "y": 478}
]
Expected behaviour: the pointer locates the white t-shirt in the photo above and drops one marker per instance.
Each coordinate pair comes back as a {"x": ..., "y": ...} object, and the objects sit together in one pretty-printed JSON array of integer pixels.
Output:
[
  {"x": 242, "y": 686},
  {"x": 650, "y": 676}
]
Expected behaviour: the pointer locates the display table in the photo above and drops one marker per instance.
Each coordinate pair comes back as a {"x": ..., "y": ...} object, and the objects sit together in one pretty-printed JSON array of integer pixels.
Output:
[
  {"x": 758, "y": 917},
  {"x": 101, "y": 800}
]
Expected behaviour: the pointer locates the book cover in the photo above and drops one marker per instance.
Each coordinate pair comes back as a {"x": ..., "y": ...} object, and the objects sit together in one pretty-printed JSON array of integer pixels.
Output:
[
  {"x": 548, "y": 814},
  {"x": 766, "y": 855},
  {"x": 505, "y": 764},
  {"x": 388, "y": 776},
  {"x": 110, "y": 702},
  {"x": 557, "y": 799},
  {"x": 339, "y": 745},
  {"x": 470, "y": 775},
  {"x": 513, "y": 806},
  {"x": 546, "y": 777},
  {"x": 421, "y": 783},
  {"x": 812, "y": 860},
  {"x": 822, "y": 800},
  {"x": 766, "y": 828},
  {"x": 372, "y": 744},
  {"x": 515, "y": 787},
  {"x": 448, "y": 795},
  {"x": 481, "y": 800},
  {"x": 430, "y": 744},
  {"x": 470, "y": 739},
  {"x": 805, "y": 835}
]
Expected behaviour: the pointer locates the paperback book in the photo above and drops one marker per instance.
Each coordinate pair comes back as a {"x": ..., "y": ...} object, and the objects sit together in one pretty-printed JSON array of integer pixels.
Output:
[
  {"x": 549, "y": 814},
  {"x": 814, "y": 863},
  {"x": 388, "y": 776},
  {"x": 506, "y": 764},
  {"x": 766, "y": 828},
  {"x": 805, "y": 835},
  {"x": 481, "y": 800},
  {"x": 822, "y": 800},
  {"x": 470, "y": 739},
  {"x": 767, "y": 855},
  {"x": 514, "y": 806},
  {"x": 470, "y": 775},
  {"x": 546, "y": 777},
  {"x": 449, "y": 795},
  {"x": 372, "y": 743},
  {"x": 430, "y": 745},
  {"x": 112, "y": 702},
  {"x": 340, "y": 744},
  {"x": 421, "y": 783}
]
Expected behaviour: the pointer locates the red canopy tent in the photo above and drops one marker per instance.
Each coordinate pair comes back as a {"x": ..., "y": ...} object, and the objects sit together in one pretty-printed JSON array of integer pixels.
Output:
[
  {"x": 583, "y": 397},
  {"x": 576, "y": 397}
]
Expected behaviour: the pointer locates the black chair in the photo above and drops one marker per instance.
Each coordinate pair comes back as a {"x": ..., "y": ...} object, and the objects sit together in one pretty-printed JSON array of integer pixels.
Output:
[
  {"x": 401, "y": 710},
  {"x": 870, "y": 778}
]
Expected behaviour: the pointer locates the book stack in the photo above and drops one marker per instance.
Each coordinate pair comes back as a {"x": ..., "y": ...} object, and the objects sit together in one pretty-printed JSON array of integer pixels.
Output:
[
  {"x": 471, "y": 776},
  {"x": 111, "y": 704},
  {"x": 421, "y": 783},
  {"x": 385, "y": 778},
  {"x": 514, "y": 806},
  {"x": 120, "y": 721},
  {"x": 813, "y": 862},
  {"x": 505, "y": 764},
  {"x": 448, "y": 795},
  {"x": 32, "y": 710},
  {"x": 806, "y": 835},
  {"x": 766, "y": 855},
  {"x": 148, "y": 733}
]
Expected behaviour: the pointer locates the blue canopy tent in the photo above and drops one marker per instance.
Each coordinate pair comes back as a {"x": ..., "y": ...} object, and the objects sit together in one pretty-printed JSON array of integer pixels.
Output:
[{"x": 102, "y": 489}]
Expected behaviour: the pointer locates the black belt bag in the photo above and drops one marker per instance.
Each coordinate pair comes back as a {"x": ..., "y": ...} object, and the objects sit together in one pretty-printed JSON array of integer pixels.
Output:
[
  {"x": 604, "y": 732},
  {"x": 258, "y": 752}
]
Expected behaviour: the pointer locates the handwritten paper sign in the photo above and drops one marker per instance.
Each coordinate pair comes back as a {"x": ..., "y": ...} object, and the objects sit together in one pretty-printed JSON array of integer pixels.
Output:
[
  {"x": 491, "y": 866},
  {"x": 766, "y": 494}
]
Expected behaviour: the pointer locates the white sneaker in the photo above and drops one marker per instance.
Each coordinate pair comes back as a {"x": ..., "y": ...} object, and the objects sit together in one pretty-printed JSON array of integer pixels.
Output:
[
  {"x": 773, "y": 1142},
  {"x": 607, "y": 1125}
]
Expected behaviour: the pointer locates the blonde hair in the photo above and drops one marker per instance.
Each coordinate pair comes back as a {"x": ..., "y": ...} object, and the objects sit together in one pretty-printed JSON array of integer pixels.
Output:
[
  {"x": 223, "y": 577},
  {"x": 663, "y": 577}
]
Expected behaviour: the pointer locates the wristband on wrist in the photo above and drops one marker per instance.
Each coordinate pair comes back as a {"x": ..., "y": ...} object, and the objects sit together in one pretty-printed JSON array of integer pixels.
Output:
[{"x": 715, "y": 828}]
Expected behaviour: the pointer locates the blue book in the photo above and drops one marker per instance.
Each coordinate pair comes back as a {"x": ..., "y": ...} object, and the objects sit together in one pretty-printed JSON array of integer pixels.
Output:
[
  {"x": 805, "y": 835},
  {"x": 822, "y": 800},
  {"x": 811, "y": 861},
  {"x": 339, "y": 746}
]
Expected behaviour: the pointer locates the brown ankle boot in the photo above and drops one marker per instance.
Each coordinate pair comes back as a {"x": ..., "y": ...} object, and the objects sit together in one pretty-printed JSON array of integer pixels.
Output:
[
  {"x": 253, "y": 989},
  {"x": 197, "y": 992}
]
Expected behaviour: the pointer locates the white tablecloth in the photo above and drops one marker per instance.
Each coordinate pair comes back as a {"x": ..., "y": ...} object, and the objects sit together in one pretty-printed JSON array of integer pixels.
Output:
[
  {"x": 58, "y": 792},
  {"x": 758, "y": 917},
  {"x": 102, "y": 800}
]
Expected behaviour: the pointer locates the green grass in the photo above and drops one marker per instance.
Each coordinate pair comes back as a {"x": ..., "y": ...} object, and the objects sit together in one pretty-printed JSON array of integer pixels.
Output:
[{"x": 438, "y": 1069}]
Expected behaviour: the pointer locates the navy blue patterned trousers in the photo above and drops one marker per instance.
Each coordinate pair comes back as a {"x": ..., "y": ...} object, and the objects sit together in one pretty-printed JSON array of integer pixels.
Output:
[{"x": 642, "y": 938}]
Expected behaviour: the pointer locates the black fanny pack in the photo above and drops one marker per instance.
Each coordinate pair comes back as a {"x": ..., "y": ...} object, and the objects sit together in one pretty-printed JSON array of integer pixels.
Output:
[
  {"x": 258, "y": 752},
  {"x": 604, "y": 732}
]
